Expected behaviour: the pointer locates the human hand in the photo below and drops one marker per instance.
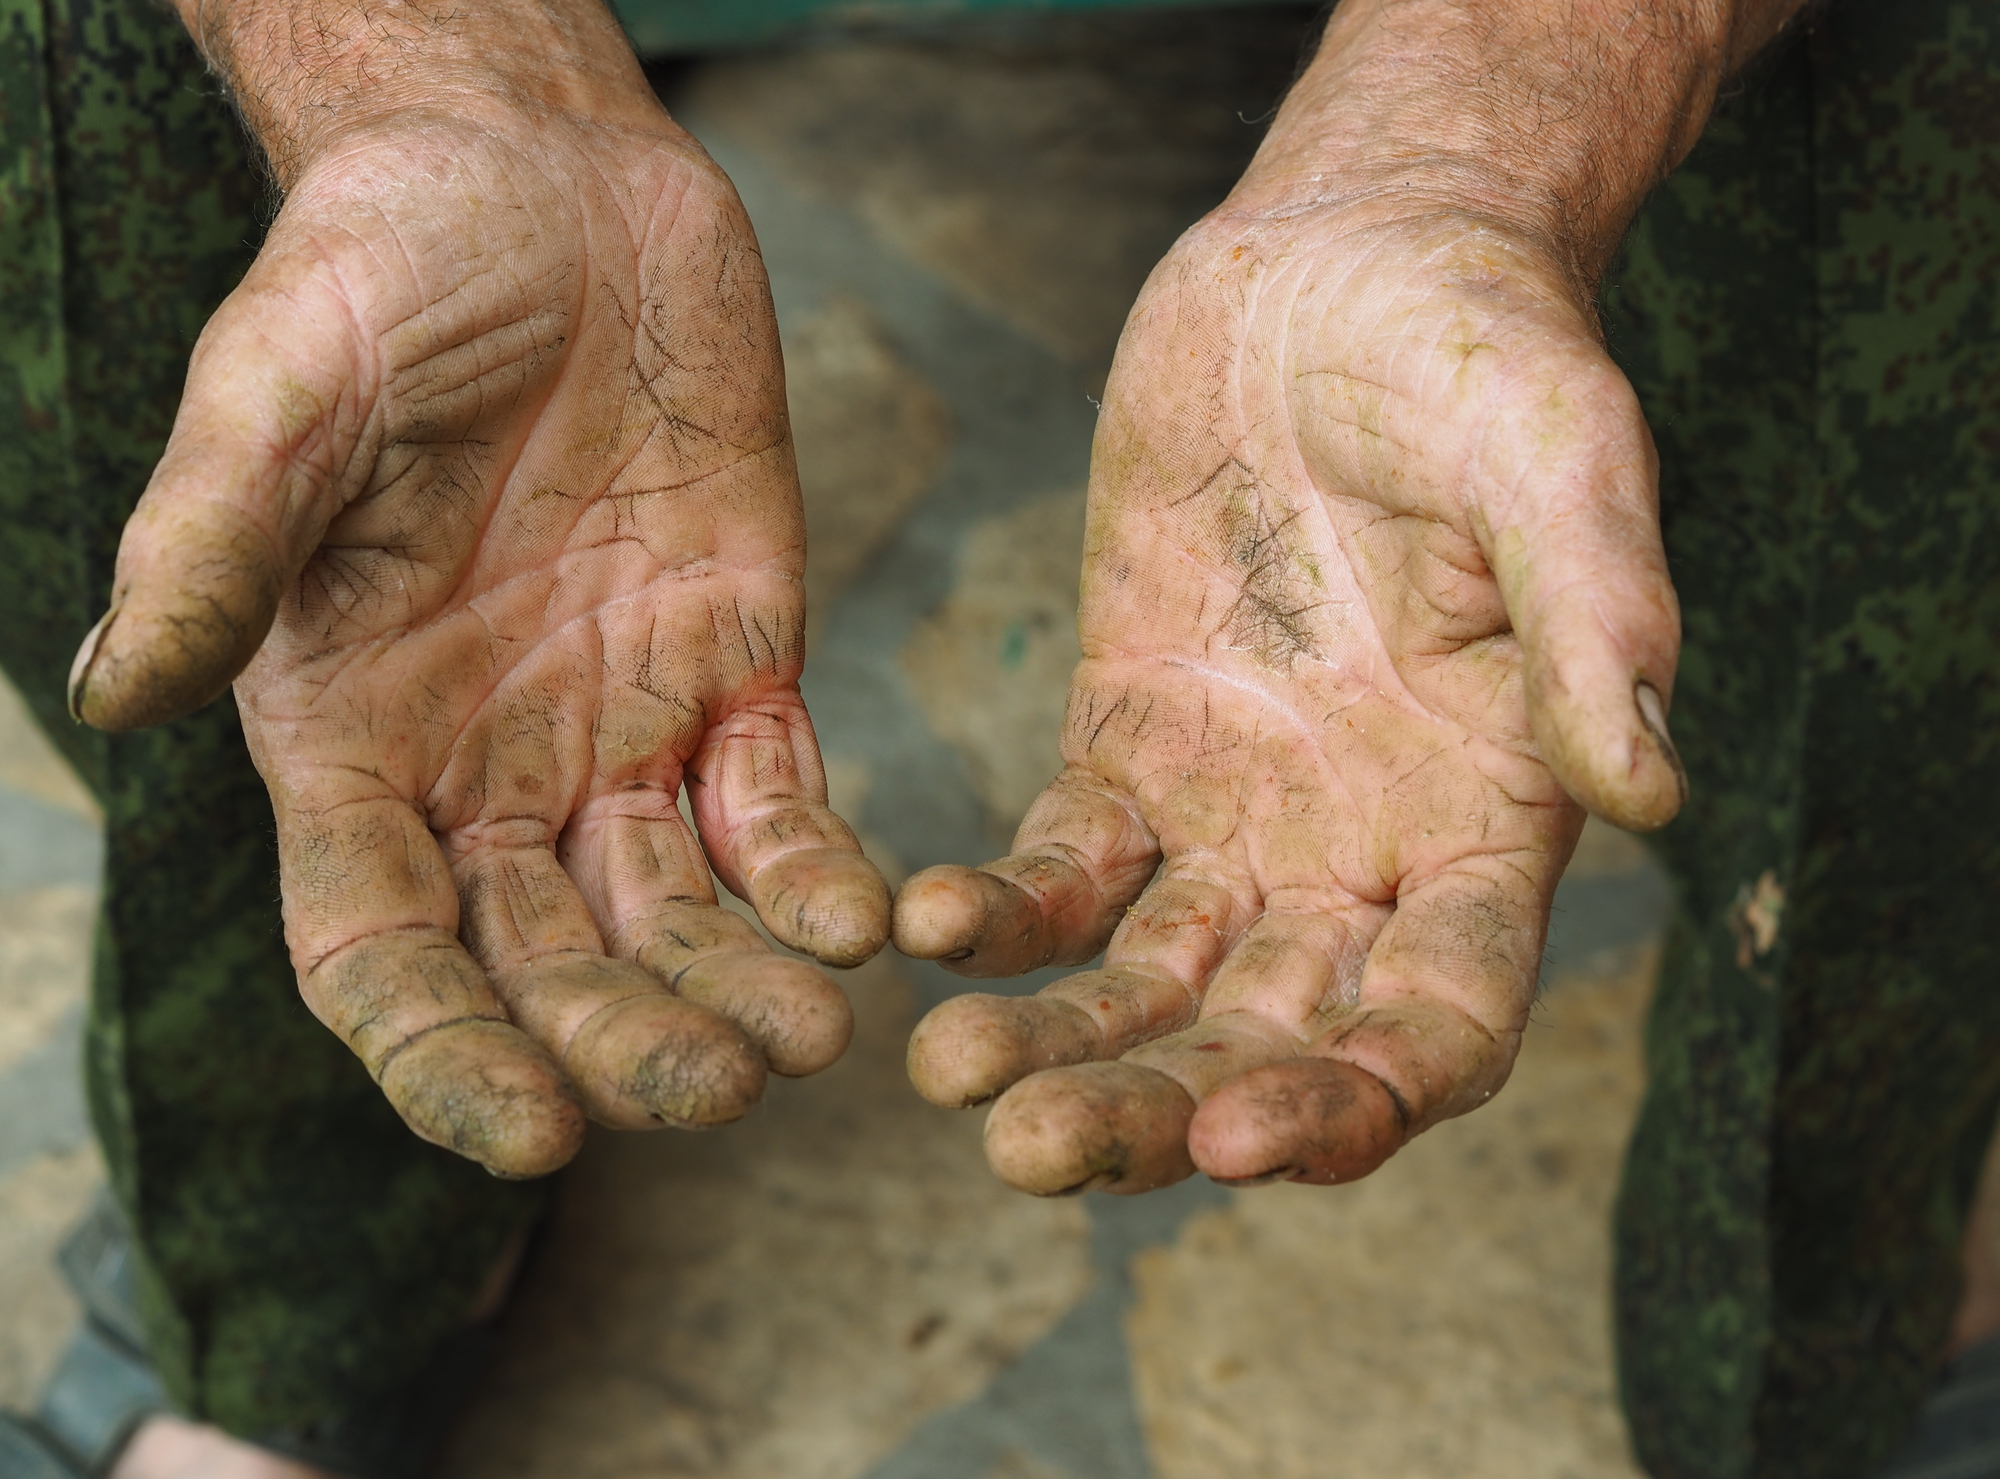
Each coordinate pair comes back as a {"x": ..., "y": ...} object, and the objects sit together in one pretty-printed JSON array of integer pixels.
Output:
[
  {"x": 1373, "y": 588},
  {"x": 1302, "y": 687},
  {"x": 484, "y": 472}
]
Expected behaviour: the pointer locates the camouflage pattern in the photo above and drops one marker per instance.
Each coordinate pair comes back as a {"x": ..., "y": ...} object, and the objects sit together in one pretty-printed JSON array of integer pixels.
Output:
[
  {"x": 305, "y": 1260},
  {"x": 1810, "y": 309}
]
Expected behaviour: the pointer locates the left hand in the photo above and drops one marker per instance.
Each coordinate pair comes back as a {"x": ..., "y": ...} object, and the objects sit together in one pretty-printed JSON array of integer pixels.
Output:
[{"x": 1373, "y": 575}]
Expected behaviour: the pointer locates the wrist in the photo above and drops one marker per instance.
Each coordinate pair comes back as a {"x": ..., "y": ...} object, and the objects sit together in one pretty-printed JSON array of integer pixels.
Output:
[
  {"x": 1551, "y": 119},
  {"x": 304, "y": 88}
]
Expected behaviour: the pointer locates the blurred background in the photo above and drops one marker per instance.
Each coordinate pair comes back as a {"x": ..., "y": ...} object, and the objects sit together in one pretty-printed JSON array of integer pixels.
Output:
[{"x": 957, "y": 213}]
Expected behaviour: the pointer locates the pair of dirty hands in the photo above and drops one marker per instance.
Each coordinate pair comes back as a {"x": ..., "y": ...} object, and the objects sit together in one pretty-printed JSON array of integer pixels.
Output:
[{"x": 482, "y": 494}]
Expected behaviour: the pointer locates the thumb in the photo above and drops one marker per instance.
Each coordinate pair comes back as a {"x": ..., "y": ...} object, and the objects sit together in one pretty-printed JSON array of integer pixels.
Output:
[
  {"x": 239, "y": 501},
  {"x": 1581, "y": 565}
]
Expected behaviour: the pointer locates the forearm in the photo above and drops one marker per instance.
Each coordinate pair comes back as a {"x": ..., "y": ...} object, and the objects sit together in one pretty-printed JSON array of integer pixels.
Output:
[
  {"x": 1554, "y": 116},
  {"x": 304, "y": 72}
]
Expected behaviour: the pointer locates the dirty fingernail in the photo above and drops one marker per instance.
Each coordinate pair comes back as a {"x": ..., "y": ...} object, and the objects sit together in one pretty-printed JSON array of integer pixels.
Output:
[
  {"x": 1239, "y": 1183},
  {"x": 86, "y": 654},
  {"x": 1653, "y": 714}
]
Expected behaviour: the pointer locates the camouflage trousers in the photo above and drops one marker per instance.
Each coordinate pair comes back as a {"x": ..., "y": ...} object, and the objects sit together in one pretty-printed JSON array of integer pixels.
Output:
[
  {"x": 1808, "y": 309},
  {"x": 304, "y": 1262}
]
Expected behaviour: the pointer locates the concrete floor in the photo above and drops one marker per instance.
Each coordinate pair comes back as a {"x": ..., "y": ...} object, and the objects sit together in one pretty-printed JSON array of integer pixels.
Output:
[
  {"x": 955, "y": 221},
  {"x": 49, "y": 859}
]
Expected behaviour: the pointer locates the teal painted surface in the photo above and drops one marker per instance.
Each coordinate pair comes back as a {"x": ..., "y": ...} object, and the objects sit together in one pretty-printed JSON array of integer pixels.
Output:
[{"x": 661, "y": 27}]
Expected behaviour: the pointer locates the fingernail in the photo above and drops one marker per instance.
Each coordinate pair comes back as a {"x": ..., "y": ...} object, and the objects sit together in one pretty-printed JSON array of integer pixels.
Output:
[
  {"x": 86, "y": 654},
  {"x": 1240, "y": 1183},
  {"x": 1653, "y": 714},
  {"x": 1095, "y": 1182}
]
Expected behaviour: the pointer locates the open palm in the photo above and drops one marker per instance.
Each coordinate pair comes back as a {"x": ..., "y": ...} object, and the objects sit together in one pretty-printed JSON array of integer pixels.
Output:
[
  {"x": 492, "y": 440},
  {"x": 1364, "y": 491}
]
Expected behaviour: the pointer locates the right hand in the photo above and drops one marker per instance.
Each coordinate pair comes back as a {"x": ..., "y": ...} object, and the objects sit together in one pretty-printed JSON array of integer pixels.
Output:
[{"x": 483, "y": 481}]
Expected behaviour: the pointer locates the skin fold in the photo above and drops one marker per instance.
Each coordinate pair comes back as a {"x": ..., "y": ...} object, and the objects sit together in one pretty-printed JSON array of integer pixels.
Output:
[
  {"x": 482, "y": 492},
  {"x": 1374, "y": 605}
]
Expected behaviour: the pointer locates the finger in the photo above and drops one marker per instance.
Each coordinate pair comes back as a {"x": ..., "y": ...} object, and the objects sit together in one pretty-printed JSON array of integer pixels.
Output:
[
  {"x": 798, "y": 1016},
  {"x": 1118, "y": 1127},
  {"x": 640, "y": 1056},
  {"x": 1433, "y": 1033},
  {"x": 1072, "y": 1130},
  {"x": 758, "y": 793},
  {"x": 371, "y": 916},
  {"x": 1264, "y": 1004},
  {"x": 419, "y": 1014},
  {"x": 1123, "y": 1127},
  {"x": 1289, "y": 976},
  {"x": 648, "y": 883},
  {"x": 1081, "y": 857},
  {"x": 1316, "y": 1120},
  {"x": 1283, "y": 980},
  {"x": 236, "y": 506},
  {"x": 970, "y": 1048},
  {"x": 1301, "y": 960},
  {"x": 1580, "y": 561}
]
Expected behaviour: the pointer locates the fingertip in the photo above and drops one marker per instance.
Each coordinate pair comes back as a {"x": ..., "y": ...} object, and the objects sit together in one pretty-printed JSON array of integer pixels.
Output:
[
  {"x": 656, "y": 1060},
  {"x": 938, "y": 910},
  {"x": 796, "y": 1013},
  {"x": 486, "y": 1091},
  {"x": 972, "y": 1047},
  {"x": 1620, "y": 763},
  {"x": 1113, "y": 1127},
  {"x": 179, "y": 631},
  {"x": 930, "y": 916},
  {"x": 1315, "y": 1120},
  {"x": 973, "y": 922},
  {"x": 827, "y": 902}
]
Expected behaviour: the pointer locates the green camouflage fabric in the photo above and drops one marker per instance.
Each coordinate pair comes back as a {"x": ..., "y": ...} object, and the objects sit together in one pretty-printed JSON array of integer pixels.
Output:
[
  {"x": 305, "y": 1260},
  {"x": 1810, "y": 310}
]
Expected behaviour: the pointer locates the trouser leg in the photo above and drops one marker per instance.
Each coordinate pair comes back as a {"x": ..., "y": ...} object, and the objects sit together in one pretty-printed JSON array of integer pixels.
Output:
[
  {"x": 304, "y": 1260},
  {"x": 1808, "y": 309}
]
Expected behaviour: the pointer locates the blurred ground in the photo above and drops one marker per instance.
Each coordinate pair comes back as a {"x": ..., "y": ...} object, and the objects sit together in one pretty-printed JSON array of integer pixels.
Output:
[
  {"x": 955, "y": 221},
  {"x": 49, "y": 855}
]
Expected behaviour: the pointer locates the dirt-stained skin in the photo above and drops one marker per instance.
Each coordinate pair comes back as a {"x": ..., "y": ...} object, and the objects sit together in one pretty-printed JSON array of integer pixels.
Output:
[
  {"x": 1373, "y": 597},
  {"x": 487, "y": 463},
  {"x": 1304, "y": 697},
  {"x": 485, "y": 473}
]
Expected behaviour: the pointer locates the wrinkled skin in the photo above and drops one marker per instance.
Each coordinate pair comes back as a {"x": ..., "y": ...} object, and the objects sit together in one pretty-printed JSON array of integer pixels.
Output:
[
  {"x": 1369, "y": 595},
  {"x": 492, "y": 440}
]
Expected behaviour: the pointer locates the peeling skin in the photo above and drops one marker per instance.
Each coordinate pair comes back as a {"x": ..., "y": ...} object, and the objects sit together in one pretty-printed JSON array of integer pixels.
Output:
[{"x": 502, "y": 552}]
